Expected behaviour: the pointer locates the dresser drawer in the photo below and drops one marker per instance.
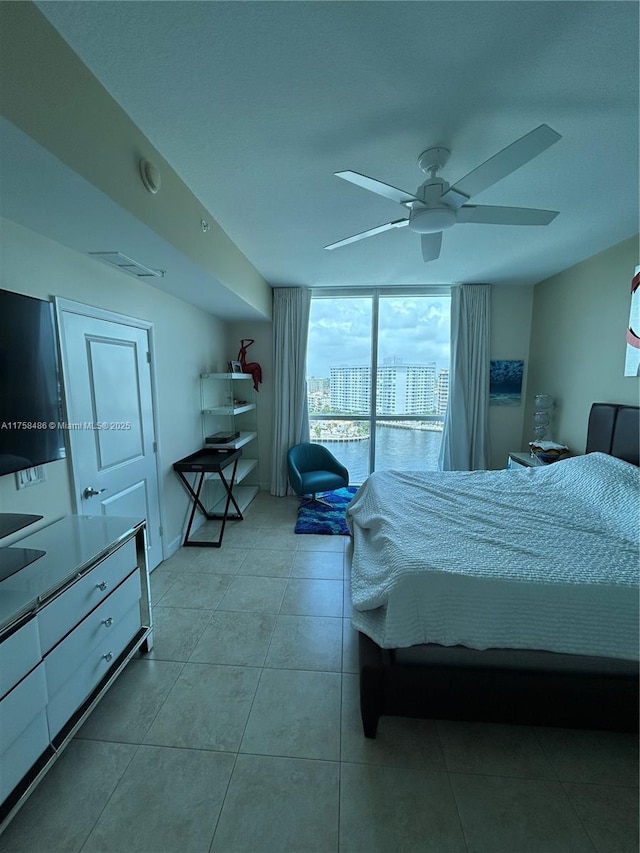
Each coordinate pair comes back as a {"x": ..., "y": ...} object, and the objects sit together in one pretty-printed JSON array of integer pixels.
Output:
[
  {"x": 96, "y": 629},
  {"x": 19, "y": 653},
  {"x": 59, "y": 616},
  {"x": 23, "y": 753},
  {"x": 21, "y": 705},
  {"x": 95, "y": 665}
]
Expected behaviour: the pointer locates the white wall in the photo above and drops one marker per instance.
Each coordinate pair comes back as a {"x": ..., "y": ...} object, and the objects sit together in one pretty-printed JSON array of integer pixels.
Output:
[
  {"x": 187, "y": 342},
  {"x": 580, "y": 317},
  {"x": 511, "y": 310}
]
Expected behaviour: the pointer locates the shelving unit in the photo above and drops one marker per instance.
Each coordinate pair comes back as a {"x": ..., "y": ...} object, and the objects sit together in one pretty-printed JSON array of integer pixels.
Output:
[{"x": 229, "y": 404}]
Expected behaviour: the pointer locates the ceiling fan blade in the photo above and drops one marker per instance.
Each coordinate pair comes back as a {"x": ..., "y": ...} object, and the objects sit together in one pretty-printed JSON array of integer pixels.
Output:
[
  {"x": 392, "y": 193},
  {"x": 489, "y": 215},
  {"x": 502, "y": 164},
  {"x": 389, "y": 225},
  {"x": 431, "y": 244}
]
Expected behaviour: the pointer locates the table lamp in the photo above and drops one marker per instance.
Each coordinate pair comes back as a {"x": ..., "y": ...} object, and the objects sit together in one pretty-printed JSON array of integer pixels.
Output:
[{"x": 543, "y": 404}]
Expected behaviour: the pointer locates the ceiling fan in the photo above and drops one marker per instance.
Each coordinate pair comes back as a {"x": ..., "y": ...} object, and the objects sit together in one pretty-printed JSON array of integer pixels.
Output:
[{"x": 436, "y": 205}]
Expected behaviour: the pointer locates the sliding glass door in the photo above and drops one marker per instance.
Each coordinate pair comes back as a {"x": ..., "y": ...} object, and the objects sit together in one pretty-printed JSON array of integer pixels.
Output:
[{"x": 378, "y": 378}]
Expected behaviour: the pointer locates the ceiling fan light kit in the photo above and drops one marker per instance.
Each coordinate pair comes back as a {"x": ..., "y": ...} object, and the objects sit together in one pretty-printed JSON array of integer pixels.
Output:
[
  {"x": 436, "y": 205},
  {"x": 429, "y": 220}
]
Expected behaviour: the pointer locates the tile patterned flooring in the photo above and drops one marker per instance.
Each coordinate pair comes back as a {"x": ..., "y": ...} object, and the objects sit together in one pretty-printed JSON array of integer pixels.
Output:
[{"x": 240, "y": 732}]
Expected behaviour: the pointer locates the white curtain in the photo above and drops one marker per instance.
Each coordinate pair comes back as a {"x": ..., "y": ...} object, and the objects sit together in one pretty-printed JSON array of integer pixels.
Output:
[
  {"x": 465, "y": 440},
  {"x": 290, "y": 415}
]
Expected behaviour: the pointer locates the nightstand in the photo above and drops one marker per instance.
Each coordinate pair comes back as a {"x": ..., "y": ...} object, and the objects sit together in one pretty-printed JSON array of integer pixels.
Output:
[{"x": 523, "y": 460}]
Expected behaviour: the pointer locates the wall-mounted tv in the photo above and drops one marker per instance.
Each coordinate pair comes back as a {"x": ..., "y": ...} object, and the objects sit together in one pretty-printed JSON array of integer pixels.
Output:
[{"x": 30, "y": 398}]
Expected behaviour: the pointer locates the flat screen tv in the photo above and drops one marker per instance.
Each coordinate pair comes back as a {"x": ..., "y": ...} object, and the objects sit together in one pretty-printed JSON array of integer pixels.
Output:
[{"x": 30, "y": 397}]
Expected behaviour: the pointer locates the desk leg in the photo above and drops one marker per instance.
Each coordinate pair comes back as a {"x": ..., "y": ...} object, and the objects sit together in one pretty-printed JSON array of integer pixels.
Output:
[
  {"x": 197, "y": 504},
  {"x": 195, "y": 497},
  {"x": 228, "y": 485}
]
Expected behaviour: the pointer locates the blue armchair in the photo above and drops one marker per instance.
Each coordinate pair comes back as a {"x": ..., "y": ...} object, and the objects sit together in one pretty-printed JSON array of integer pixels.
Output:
[{"x": 312, "y": 469}]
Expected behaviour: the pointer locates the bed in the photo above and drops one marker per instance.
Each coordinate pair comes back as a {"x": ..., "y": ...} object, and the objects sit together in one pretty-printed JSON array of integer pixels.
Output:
[{"x": 505, "y": 596}]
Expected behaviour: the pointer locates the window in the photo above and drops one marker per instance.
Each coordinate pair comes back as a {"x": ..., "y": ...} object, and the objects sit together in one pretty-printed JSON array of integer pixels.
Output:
[{"x": 378, "y": 378}]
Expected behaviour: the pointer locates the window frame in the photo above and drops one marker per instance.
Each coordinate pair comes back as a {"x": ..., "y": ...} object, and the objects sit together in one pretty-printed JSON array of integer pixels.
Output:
[{"x": 376, "y": 293}]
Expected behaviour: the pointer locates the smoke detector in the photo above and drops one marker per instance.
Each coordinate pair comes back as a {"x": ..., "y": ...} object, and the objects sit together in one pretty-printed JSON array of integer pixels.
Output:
[{"x": 150, "y": 175}]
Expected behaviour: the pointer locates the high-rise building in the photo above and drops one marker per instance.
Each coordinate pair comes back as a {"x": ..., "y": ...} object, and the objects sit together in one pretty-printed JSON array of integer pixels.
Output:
[
  {"x": 442, "y": 391},
  {"x": 402, "y": 389},
  {"x": 318, "y": 395},
  {"x": 350, "y": 389},
  {"x": 317, "y": 383}
]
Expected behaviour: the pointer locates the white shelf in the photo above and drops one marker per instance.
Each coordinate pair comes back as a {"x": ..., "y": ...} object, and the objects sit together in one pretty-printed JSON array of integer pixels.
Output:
[
  {"x": 226, "y": 376},
  {"x": 228, "y": 410},
  {"x": 243, "y": 496},
  {"x": 245, "y": 467},
  {"x": 245, "y": 438}
]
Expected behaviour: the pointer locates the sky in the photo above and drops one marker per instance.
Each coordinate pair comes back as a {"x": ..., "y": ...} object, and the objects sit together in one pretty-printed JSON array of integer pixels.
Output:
[{"x": 412, "y": 328}]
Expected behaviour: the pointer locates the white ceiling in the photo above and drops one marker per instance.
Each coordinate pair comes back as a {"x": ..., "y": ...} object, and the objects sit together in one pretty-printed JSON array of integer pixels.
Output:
[{"x": 256, "y": 104}]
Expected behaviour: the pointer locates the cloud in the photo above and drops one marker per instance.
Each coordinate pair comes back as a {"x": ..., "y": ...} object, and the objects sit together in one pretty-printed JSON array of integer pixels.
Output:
[{"x": 412, "y": 328}]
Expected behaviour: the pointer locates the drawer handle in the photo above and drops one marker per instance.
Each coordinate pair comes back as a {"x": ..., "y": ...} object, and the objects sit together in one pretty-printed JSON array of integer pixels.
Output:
[
  {"x": 101, "y": 586},
  {"x": 108, "y": 622},
  {"x": 108, "y": 656}
]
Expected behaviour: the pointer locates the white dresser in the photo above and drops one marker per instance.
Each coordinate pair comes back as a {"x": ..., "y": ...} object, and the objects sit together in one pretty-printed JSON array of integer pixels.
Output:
[{"x": 69, "y": 623}]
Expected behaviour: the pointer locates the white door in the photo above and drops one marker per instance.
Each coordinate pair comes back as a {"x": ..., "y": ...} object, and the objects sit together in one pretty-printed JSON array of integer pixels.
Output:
[{"x": 106, "y": 366}]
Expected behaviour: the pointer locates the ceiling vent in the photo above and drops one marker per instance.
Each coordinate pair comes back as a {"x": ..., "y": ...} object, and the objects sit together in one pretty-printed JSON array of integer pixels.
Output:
[{"x": 122, "y": 262}]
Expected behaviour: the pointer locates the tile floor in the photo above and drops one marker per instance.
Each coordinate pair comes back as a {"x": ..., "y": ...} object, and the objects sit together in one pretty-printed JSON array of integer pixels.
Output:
[{"x": 240, "y": 732}]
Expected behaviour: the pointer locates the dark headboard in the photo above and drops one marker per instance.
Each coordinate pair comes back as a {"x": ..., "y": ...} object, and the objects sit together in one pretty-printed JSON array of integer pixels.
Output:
[{"x": 615, "y": 429}]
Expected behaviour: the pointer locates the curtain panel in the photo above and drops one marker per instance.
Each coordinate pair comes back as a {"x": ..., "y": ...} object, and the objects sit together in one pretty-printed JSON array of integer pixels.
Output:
[
  {"x": 291, "y": 306},
  {"x": 465, "y": 439}
]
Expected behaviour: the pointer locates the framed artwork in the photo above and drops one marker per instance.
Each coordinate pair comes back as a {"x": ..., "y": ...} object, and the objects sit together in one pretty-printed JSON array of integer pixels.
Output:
[
  {"x": 235, "y": 367},
  {"x": 505, "y": 383},
  {"x": 632, "y": 359}
]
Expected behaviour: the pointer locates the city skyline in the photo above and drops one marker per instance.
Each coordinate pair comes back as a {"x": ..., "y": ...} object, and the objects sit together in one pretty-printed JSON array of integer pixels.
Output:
[
  {"x": 387, "y": 362},
  {"x": 407, "y": 389}
]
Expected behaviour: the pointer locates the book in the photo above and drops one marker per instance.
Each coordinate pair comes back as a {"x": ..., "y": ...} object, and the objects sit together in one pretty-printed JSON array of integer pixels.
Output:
[{"x": 221, "y": 437}]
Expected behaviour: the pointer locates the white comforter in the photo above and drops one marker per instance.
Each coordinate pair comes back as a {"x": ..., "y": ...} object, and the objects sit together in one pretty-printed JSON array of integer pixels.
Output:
[{"x": 538, "y": 558}]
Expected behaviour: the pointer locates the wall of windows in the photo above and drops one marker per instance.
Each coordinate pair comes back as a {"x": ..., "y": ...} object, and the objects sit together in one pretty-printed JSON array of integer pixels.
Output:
[{"x": 378, "y": 377}]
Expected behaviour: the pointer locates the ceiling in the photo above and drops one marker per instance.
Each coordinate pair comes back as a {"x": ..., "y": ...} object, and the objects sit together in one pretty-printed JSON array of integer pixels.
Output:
[
  {"x": 257, "y": 104},
  {"x": 46, "y": 196}
]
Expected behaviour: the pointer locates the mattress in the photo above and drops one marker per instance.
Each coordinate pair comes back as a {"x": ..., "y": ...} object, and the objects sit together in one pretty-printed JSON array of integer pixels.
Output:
[{"x": 534, "y": 558}]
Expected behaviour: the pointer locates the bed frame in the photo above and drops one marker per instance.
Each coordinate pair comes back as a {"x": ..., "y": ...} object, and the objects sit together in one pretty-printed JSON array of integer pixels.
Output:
[{"x": 510, "y": 686}]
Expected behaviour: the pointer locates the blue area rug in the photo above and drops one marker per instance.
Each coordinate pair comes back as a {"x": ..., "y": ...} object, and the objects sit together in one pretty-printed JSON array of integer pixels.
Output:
[{"x": 316, "y": 518}]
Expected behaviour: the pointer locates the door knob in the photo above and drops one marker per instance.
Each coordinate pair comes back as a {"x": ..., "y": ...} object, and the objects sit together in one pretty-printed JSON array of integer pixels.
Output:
[{"x": 90, "y": 492}]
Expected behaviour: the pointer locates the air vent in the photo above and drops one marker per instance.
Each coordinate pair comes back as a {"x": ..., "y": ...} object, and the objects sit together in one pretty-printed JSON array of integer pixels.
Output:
[{"x": 117, "y": 259}]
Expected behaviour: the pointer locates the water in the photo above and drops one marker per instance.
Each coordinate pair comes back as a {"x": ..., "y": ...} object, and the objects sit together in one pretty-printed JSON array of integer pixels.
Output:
[{"x": 405, "y": 449}]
